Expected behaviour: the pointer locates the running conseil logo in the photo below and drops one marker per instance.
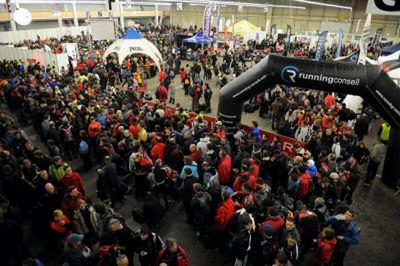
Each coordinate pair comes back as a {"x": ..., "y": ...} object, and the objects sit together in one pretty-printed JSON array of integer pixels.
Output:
[{"x": 289, "y": 73}]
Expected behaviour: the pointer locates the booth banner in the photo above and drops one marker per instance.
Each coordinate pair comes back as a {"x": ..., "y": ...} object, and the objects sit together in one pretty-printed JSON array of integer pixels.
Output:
[
  {"x": 207, "y": 19},
  {"x": 383, "y": 7},
  {"x": 321, "y": 45},
  {"x": 377, "y": 36},
  {"x": 339, "y": 44}
]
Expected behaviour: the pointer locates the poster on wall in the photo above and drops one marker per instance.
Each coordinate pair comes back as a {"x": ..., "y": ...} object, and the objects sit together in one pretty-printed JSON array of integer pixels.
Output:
[{"x": 383, "y": 7}]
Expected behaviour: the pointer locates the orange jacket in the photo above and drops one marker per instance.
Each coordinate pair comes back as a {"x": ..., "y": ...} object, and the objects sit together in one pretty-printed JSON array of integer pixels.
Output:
[{"x": 94, "y": 129}]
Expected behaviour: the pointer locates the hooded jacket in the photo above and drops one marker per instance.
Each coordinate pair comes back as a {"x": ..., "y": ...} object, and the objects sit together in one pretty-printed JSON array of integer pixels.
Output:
[
  {"x": 324, "y": 251},
  {"x": 224, "y": 214},
  {"x": 244, "y": 177}
]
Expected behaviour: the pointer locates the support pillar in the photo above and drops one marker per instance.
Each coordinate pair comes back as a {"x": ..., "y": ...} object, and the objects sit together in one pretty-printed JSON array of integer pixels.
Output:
[
  {"x": 156, "y": 21},
  {"x": 391, "y": 173},
  {"x": 121, "y": 17},
  {"x": 75, "y": 14}
]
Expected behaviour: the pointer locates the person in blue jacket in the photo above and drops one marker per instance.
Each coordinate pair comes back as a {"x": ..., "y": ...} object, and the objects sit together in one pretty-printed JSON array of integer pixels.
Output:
[
  {"x": 347, "y": 233},
  {"x": 256, "y": 132}
]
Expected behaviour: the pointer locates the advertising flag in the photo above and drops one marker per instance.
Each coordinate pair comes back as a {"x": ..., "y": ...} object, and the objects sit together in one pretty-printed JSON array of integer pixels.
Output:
[
  {"x": 339, "y": 44},
  {"x": 288, "y": 33},
  {"x": 207, "y": 19},
  {"x": 377, "y": 36},
  {"x": 363, "y": 42},
  {"x": 321, "y": 45}
]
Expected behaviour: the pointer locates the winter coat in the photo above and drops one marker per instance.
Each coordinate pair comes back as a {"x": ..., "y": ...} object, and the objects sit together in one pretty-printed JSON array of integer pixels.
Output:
[
  {"x": 324, "y": 251},
  {"x": 350, "y": 232},
  {"x": 378, "y": 152},
  {"x": 80, "y": 224},
  {"x": 305, "y": 185},
  {"x": 73, "y": 180},
  {"x": 225, "y": 212},
  {"x": 277, "y": 223},
  {"x": 312, "y": 170},
  {"x": 157, "y": 152},
  {"x": 165, "y": 256},
  {"x": 224, "y": 170},
  {"x": 244, "y": 177}
]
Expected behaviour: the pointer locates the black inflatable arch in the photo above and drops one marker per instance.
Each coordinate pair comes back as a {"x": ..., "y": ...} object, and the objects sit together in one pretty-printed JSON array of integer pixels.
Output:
[{"x": 369, "y": 82}]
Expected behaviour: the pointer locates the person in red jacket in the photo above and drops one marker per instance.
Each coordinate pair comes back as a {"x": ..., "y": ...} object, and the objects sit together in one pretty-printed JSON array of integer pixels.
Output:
[
  {"x": 172, "y": 254},
  {"x": 305, "y": 183},
  {"x": 62, "y": 227},
  {"x": 195, "y": 154},
  {"x": 162, "y": 93},
  {"x": 329, "y": 100},
  {"x": 274, "y": 219},
  {"x": 325, "y": 247},
  {"x": 157, "y": 152},
  {"x": 72, "y": 179},
  {"x": 242, "y": 178},
  {"x": 224, "y": 168},
  {"x": 94, "y": 129},
  {"x": 225, "y": 211},
  {"x": 162, "y": 75}
]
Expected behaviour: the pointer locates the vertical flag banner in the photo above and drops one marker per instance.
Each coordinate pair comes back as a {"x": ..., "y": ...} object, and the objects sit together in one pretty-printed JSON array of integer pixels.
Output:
[
  {"x": 273, "y": 29},
  {"x": 88, "y": 16},
  {"x": 207, "y": 19},
  {"x": 288, "y": 33},
  {"x": 321, "y": 45},
  {"x": 339, "y": 43},
  {"x": 377, "y": 36},
  {"x": 110, "y": 14},
  {"x": 364, "y": 40}
]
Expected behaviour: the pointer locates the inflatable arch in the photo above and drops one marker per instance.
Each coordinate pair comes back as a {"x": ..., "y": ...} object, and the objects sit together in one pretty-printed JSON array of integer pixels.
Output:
[{"x": 369, "y": 82}]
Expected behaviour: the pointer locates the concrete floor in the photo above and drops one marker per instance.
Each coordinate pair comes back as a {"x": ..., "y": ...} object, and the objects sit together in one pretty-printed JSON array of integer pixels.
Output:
[{"x": 377, "y": 213}]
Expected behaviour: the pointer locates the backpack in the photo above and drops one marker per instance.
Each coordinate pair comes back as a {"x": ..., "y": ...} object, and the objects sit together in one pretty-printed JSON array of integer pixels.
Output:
[
  {"x": 192, "y": 91},
  {"x": 186, "y": 82},
  {"x": 68, "y": 137},
  {"x": 83, "y": 147}
]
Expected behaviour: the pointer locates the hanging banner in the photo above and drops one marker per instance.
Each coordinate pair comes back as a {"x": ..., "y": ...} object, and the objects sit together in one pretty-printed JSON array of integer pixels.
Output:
[
  {"x": 383, "y": 7},
  {"x": 364, "y": 41},
  {"x": 377, "y": 36},
  {"x": 321, "y": 45},
  {"x": 288, "y": 33},
  {"x": 273, "y": 29},
  {"x": 339, "y": 43},
  {"x": 110, "y": 14},
  {"x": 72, "y": 50},
  {"x": 88, "y": 16},
  {"x": 207, "y": 19},
  {"x": 237, "y": 42}
]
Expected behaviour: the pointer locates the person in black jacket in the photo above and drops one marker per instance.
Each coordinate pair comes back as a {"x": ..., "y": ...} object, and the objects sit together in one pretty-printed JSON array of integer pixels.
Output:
[
  {"x": 121, "y": 238},
  {"x": 147, "y": 246},
  {"x": 278, "y": 171},
  {"x": 361, "y": 127},
  {"x": 188, "y": 193},
  {"x": 241, "y": 244}
]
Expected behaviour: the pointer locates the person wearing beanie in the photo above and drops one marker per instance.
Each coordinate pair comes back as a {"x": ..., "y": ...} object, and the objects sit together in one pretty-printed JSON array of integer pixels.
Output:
[
  {"x": 77, "y": 253},
  {"x": 268, "y": 241}
]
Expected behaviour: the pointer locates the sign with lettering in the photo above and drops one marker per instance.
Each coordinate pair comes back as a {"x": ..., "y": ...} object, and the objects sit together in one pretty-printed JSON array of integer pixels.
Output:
[{"x": 383, "y": 7}]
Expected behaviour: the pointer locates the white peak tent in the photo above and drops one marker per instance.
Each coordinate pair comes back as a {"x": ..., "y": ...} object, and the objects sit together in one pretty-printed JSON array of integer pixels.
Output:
[{"x": 134, "y": 43}]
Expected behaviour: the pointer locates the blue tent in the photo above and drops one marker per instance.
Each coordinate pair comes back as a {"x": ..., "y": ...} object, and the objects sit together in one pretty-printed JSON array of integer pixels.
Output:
[
  {"x": 132, "y": 34},
  {"x": 390, "y": 49},
  {"x": 199, "y": 38}
]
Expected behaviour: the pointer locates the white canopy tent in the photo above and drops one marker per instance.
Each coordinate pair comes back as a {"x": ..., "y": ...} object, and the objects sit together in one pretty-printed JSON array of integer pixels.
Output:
[{"x": 134, "y": 43}]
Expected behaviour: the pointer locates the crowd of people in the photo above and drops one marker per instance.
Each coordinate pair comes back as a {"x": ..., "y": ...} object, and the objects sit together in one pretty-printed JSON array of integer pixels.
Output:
[{"x": 243, "y": 194}]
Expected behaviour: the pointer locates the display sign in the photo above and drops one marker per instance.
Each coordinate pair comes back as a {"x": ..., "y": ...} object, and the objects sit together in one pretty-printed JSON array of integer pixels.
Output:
[{"x": 383, "y": 7}]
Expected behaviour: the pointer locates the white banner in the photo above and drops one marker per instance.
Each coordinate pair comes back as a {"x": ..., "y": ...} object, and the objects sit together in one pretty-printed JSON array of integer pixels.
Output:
[
  {"x": 383, "y": 7},
  {"x": 72, "y": 51},
  {"x": 364, "y": 41}
]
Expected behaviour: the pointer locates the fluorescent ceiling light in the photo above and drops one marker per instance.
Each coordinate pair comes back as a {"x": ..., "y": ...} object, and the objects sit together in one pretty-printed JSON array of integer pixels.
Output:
[
  {"x": 197, "y": 4},
  {"x": 323, "y": 4},
  {"x": 285, "y": 6}
]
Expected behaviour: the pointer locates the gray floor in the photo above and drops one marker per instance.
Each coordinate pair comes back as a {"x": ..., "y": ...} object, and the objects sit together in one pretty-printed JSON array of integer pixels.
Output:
[{"x": 377, "y": 213}]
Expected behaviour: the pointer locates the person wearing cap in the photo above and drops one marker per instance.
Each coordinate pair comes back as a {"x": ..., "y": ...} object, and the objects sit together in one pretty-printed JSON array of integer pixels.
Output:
[
  {"x": 77, "y": 254},
  {"x": 172, "y": 254},
  {"x": 219, "y": 130},
  {"x": 147, "y": 246}
]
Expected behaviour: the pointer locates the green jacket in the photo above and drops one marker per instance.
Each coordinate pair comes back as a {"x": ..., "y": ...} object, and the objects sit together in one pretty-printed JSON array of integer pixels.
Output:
[{"x": 57, "y": 172}]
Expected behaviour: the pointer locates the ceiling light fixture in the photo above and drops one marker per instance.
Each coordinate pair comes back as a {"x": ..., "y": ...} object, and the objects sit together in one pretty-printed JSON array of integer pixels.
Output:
[{"x": 323, "y": 4}]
